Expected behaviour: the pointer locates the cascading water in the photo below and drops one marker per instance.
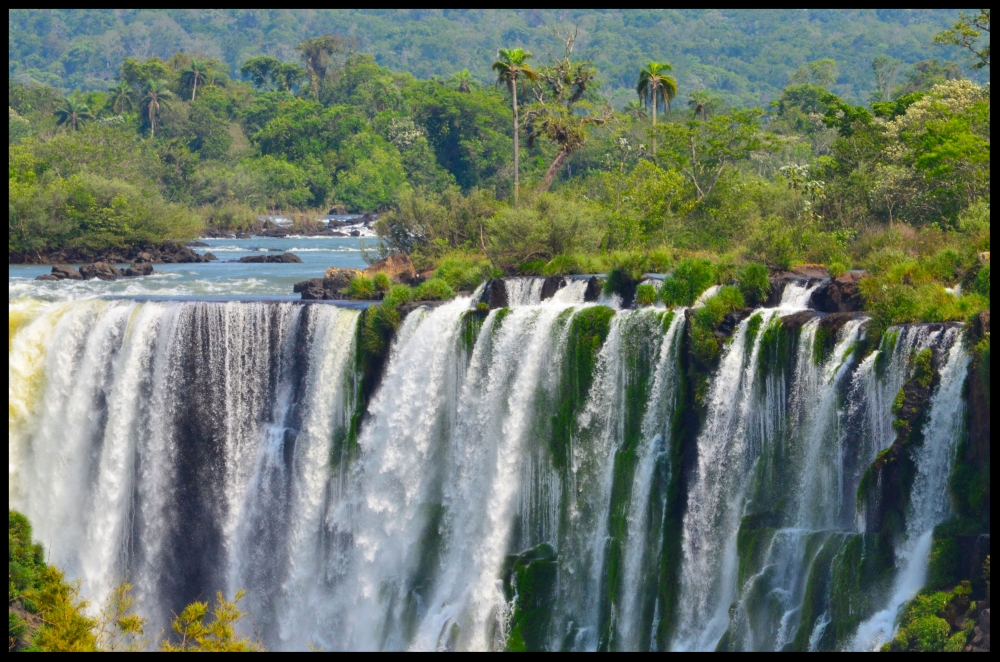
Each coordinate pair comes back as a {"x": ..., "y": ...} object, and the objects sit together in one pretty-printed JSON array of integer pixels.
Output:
[
  {"x": 521, "y": 478},
  {"x": 182, "y": 445}
]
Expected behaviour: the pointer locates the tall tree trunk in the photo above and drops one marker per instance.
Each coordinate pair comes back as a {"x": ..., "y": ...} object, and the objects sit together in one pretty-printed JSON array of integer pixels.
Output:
[
  {"x": 195, "y": 88},
  {"x": 517, "y": 155},
  {"x": 654, "y": 122},
  {"x": 554, "y": 167},
  {"x": 152, "y": 120}
]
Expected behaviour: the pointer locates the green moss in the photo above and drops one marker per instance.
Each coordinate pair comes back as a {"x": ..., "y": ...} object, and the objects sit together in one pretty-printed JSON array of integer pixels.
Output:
[
  {"x": 861, "y": 571},
  {"x": 897, "y": 402},
  {"x": 923, "y": 369},
  {"x": 823, "y": 345},
  {"x": 704, "y": 344},
  {"x": 753, "y": 328},
  {"x": 885, "y": 351},
  {"x": 588, "y": 330},
  {"x": 530, "y": 582},
  {"x": 937, "y": 621}
]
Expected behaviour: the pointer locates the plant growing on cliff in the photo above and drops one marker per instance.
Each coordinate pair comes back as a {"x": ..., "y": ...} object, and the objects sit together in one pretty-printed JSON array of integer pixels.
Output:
[{"x": 690, "y": 278}]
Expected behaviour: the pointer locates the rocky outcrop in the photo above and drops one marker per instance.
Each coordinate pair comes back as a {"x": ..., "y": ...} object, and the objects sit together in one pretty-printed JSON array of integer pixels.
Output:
[
  {"x": 981, "y": 634},
  {"x": 397, "y": 267},
  {"x": 838, "y": 295},
  {"x": 495, "y": 294},
  {"x": 284, "y": 258},
  {"x": 139, "y": 269},
  {"x": 330, "y": 287},
  {"x": 593, "y": 291},
  {"x": 101, "y": 270},
  {"x": 65, "y": 272},
  {"x": 166, "y": 253},
  {"x": 551, "y": 285}
]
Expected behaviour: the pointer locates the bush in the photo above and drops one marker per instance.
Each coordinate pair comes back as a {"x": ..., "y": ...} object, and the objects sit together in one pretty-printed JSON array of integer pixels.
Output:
[
  {"x": 754, "y": 284},
  {"x": 837, "y": 269},
  {"x": 691, "y": 277},
  {"x": 382, "y": 282},
  {"x": 704, "y": 345},
  {"x": 435, "y": 289},
  {"x": 773, "y": 243},
  {"x": 465, "y": 272},
  {"x": 361, "y": 289},
  {"x": 566, "y": 264},
  {"x": 397, "y": 294},
  {"x": 645, "y": 295}
]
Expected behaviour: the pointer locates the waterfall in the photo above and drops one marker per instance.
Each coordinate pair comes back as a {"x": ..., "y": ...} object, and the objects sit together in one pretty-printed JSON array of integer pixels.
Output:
[
  {"x": 184, "y": 446},
  {"x": 553, "y": 475},
  {"x": 929, "y": 504}
]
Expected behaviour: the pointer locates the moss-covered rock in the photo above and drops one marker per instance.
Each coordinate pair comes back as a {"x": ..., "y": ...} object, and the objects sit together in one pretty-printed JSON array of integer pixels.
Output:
[{"x": 529, "y": 580}]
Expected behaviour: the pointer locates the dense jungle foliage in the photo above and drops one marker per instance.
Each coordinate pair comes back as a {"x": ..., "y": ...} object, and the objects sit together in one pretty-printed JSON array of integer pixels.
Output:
[
  {"x": 746, "y": 56},
  {"x": 898, "y": 186}
]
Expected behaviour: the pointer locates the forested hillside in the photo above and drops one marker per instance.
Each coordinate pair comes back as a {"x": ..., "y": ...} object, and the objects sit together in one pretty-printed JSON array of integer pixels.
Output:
[{"x": 746, "y": 56}]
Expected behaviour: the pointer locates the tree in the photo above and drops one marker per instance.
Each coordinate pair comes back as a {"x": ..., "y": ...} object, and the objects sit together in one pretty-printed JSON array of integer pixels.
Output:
[
  {"x": 260, "y": 70},
  {"x": 704, "y": 103},
  {"x": 656, "y": 85},
  {"x": 464, "y": 81},
  {"x": 966, "y": 33},
  {"x": 885, "y": 69},
  {"x": 73, "y": 113},
  {"x": 703, "y": 150},
  {"x": 194, "y": 74},
  {"x": 317, "y": 54},
  {"x": 156, "y": 95},
  {"x": 821, "y": 72},
  {"x": 510, "y": 66},
  {"x": 122, "y": 97}
]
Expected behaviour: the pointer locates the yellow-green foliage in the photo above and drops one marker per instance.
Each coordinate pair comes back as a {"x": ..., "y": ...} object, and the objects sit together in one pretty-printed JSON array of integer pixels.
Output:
[
  {"x": 567, "y": 264},
  {"x": 690, "y": 278},
  {"x": 465, "y": 271},
  {"x": 928, "y": 623},
  {"x": 361, "y": 288},
  {"x": 707, "y": 319},
  {"x": 645, "y": 295},
  {"x": 196, "y": 632},
  {"x": 435, "y": 289},
  {"x": 754, "y": 284},
  {"x": 382, "y": 282},
  {"x": 45, "y": 611}
]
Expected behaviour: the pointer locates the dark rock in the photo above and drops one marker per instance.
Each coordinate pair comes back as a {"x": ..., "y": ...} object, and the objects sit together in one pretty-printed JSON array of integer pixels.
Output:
[
  {"x": 284, "y": 258},
  {"x": 552, "y": 285},
  {"x": 334, "y": 223},
  {"x": 139, "y": 269},
  {"x": 101, "y": 270},
  {"x": 274, "y": 232},
  {"x": 64, "y": 271},
  {"x": 834, "y": 322},
  {"x": 839, "y": 295},
  {"x": 196, "y": 244},
  {"x": 731, "y": 320},
  {"x": 242, "y": 235},
  {"x": 338, "y": 234},
  {"x": 495, "y": 294},
  {"x": 210, "y": 256},
  {"x": 797, "y": 321},
  {"x": 336, "y": 278},
  {"x": 594, "y": 289},
  {"x": 147, "y": 257},
  {"x": 355, "y": 233},
  {"x": 214, "y": 233},
  {"x": 338, "y": 210},
  {"x": 46, "y": 277},
  {"x": 310, "y": 289}
]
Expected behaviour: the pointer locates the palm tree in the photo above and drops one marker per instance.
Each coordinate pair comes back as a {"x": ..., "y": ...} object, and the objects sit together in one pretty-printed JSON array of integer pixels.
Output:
[
  {"x": 655, "y": 85},
  {"x": 194, "y": 74},
  {"x": 73, "y": 113},
  {"x": 121, "y": 97},
  {"x": 510, "y": 66},
  {"x": 157, "y": 95},
  {"x": 464, "y": 79},
  {"x": 699, "y": 102}
]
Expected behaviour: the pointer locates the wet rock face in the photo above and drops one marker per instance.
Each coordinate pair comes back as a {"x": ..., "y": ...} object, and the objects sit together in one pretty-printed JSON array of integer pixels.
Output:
[
  {"x": 495, "y": 294},
  {"x": 284, "y": 258},
  {"x": 552, "y": 285},
  {"x": 593, "y": 291},
  {"x": 139, "y": 269},
  {"x": 839, "y": 295}
]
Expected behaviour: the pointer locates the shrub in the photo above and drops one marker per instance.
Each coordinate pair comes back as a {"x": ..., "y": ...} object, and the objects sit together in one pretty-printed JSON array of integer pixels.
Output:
[
  {"x": 837, "y": 269},
  {"x": 361, "y": 288},
  {"x": 704, "y": 345},
  {"x": 754, "y": 283},
  {"x": 435, "y": 289},
  {"x": 398, "y": 294},
  {"x": 567, "y": 264},
  {"x": 382, "y": 282},
  {"x": 465, "y": 272},
  {"x": 691, "y": 277},
  {"x": 645, "y": 295}
]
